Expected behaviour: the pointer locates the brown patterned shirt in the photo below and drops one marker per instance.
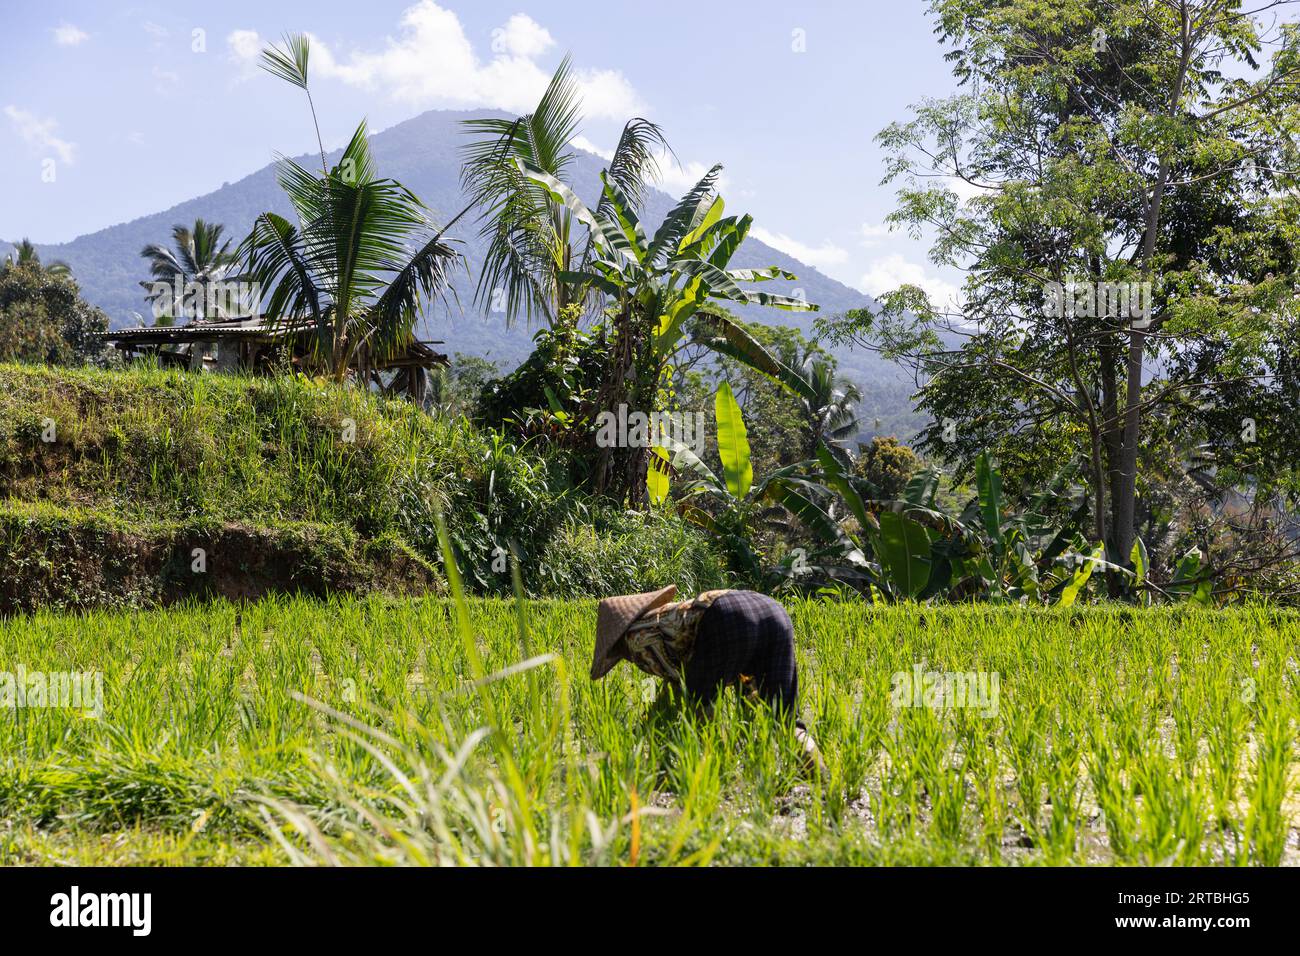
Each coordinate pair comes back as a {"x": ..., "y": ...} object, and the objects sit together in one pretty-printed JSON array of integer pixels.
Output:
[{"x": 662, "y": 640}]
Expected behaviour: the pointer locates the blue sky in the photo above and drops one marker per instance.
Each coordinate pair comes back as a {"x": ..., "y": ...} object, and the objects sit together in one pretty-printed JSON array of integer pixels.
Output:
[{"x": 136, "y": 107}]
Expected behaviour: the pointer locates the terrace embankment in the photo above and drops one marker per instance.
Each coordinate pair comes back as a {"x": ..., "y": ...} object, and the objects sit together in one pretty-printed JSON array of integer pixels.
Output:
[{"x": 144, "y": 487}]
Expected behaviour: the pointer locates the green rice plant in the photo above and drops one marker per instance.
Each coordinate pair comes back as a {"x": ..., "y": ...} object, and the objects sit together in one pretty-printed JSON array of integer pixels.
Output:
[
  {"x": 1265, "y": 833},
  {"x": 1061, "y": 831},
  {"x": 1112, "y": 791},
  {"x": 984, "y": 762},
  {"x": 1027, "y": 754},
  {"x": 1094, "y": 754}
]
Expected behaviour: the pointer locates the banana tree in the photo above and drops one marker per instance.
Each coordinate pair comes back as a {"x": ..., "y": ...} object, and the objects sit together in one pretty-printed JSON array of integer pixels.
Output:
[
  {"x": 740, "y": 506},
  {"x": 653, "y": 284},
  {"x": 918, "y": 552},
  {"x": 1191, "y": 583}
]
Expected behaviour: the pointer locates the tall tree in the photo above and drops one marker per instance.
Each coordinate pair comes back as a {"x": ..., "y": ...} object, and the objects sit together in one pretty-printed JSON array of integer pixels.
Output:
[
  {"x": 1110, "y": 152},
  {"x": 43, "y": 317}
]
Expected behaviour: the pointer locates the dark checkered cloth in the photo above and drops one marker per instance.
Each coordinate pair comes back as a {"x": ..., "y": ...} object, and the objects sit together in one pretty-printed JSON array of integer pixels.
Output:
[{"x": 744, "y": 635}]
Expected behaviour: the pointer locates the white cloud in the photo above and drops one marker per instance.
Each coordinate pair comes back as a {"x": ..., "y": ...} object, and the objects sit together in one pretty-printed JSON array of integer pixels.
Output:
[
  {"x": 39, "y": 133},
  {"x": 891, "y": 271},
  {"x": 244, "y": 45},
  {"x": 676, "y": 179},
  {"x": 522, "y": 36},
  {"x": 819, "y": 257},
  {"x": 245, "y": 48},
  {"x": 581, "y": 142},
  {"x": 65, "y": 34},
  {"x": 606, "y": 94},
  {"x": 155, "y": 30},
  {"x": 873, "y": 235},
  {"x": 433, "y": 63}
]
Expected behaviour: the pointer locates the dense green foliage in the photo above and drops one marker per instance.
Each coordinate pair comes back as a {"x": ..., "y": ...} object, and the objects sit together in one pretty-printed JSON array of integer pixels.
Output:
[
  {"x": 549, "y": 396},
  {"x": 778, "y": 429},
  {"x": 551, "y": 254},
  {"x": 1117, "y": 181},
  {"x": 43, "y": 318},
  {"x": 652, "y": 285},
  {"x": 837, "y": 531},
  {"x": 161, "y": 449}
]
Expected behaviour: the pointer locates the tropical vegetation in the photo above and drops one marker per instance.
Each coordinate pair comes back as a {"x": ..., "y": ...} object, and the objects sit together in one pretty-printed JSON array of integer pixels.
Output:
[
  {"x": 1125, "y": 220},
  {"x": 43, "y": 318},
  {"x": 363, "y": 258},
  {"x": 336, "y": 627},
  {"x": 200, "y": 262}
]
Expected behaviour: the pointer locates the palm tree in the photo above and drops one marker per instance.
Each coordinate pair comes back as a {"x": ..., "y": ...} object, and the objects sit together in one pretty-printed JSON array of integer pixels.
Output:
[
  {"x": 827, "y": 407},
  {"x": 361, "y": 260},
  {"x": 25, "y": 255},
  {"x": 201, "y": 259},
  {"x": 532, "y": 238},
  {"x": 290, "y": 65}
]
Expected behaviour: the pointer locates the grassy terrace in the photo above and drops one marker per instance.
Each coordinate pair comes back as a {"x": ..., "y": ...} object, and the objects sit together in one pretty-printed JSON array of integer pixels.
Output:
[
  {"x": 109, "y": 480},
  {"x": 1151, "y": 737}
]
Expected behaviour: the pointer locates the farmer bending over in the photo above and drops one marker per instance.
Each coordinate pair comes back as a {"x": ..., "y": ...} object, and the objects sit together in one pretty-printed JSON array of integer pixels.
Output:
[{"x": 719, "y": 639}]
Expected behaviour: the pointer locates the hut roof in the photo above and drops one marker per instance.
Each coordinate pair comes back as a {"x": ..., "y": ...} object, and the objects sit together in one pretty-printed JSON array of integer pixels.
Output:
[{"x": 251, "y": 329}]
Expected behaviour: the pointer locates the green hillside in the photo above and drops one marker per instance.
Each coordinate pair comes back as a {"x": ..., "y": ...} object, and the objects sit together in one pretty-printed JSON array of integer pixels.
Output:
[{"x": 109, "y": 481}]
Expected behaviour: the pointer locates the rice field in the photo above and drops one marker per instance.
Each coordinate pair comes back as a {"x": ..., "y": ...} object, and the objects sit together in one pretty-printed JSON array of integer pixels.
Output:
[{"x": 424, "y": 731}]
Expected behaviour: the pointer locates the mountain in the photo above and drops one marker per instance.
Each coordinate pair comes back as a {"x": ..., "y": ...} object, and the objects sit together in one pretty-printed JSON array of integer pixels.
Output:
[{"x": 423, "y": 154}]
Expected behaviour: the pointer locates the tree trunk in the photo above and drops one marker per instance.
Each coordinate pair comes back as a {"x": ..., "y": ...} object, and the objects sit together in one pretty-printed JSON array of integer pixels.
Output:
[
  {"x": 621, "y": 470},
  {"x": 1112, "y": 445},
  {"x": 1126, "y": 486}
]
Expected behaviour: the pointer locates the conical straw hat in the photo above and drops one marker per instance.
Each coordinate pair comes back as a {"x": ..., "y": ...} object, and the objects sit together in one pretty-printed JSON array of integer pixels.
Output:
[{"x": 614, "y": 617}]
